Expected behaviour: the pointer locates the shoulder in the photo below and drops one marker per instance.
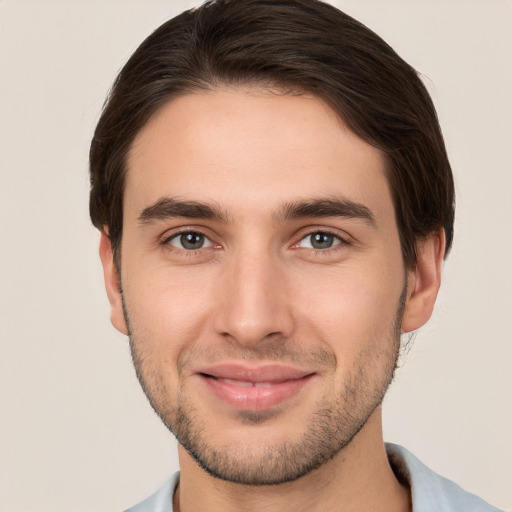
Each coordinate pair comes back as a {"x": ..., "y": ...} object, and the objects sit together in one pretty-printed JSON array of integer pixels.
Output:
[
  {"x": 161, "y": 500},
  {"x": 429, "y": 490}
]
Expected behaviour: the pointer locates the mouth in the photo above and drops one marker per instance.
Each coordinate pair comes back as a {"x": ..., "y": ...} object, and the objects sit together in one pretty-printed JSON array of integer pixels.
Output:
[{"x": 254, "y": 388}]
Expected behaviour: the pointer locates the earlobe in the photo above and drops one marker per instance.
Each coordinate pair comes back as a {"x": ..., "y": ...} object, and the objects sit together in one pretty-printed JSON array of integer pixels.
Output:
[
  {"x": 112, "y": 285},
  {"x": 424, "y": 281}
]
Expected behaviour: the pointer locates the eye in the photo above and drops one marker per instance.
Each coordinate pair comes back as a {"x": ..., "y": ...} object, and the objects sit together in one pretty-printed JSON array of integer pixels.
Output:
[
  {"x": 320, "y": 240},
  {"x": 189, "y": 241}
]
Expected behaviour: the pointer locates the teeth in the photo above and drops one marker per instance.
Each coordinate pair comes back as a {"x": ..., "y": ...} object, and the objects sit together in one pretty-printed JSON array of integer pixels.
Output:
[
  {"x": 241, "y": 383},
  {"x": 247, "y": 384}
]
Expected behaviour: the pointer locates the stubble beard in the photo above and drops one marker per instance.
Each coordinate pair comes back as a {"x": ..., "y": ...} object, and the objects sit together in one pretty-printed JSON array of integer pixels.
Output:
[{"x": 330, "y": 429}]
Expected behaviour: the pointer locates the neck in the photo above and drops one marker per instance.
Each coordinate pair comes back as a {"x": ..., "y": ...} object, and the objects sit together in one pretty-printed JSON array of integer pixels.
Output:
[{"x": 357, "y": 478}]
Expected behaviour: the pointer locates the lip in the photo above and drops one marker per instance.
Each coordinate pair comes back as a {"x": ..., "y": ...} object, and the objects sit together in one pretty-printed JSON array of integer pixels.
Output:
[{"x": 254, "y": 388}]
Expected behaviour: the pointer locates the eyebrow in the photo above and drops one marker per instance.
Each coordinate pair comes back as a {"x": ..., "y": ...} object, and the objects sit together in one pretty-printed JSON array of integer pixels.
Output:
[
  {"x": 169, "y": 207},
  {"x": 319, "y": 208}
]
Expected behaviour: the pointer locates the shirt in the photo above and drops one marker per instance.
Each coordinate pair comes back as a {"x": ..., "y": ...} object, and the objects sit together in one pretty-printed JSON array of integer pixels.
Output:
[{"x": 430, "y": 492}]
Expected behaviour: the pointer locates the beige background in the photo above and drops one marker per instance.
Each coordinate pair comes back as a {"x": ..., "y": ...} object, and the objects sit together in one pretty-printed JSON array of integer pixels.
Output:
[{"x": 76, "y": 433}]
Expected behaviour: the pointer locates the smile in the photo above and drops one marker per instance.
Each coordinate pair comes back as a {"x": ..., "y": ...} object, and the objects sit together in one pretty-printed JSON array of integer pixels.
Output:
[
  {"x": 254, "y": 389},
  {"x": 246, "y": 384}
]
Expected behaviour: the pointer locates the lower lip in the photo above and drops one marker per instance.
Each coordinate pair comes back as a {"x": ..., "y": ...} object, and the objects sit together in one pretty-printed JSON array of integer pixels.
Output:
[{"x": 255, "y": 398}]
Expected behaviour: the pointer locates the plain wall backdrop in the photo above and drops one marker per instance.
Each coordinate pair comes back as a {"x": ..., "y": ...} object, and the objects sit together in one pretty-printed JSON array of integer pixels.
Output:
[{"x": 76, "y": 432}]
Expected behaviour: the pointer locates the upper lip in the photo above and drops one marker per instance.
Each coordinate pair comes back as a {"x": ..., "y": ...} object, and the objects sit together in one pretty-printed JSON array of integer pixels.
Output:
[{"x": 255, "y": 373}]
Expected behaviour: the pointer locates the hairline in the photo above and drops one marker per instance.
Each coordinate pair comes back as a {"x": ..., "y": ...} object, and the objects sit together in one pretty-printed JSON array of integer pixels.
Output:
[{"x": 259, "y": 86}]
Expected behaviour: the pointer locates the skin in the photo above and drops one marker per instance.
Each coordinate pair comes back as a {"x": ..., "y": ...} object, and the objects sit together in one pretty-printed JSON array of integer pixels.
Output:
[{"x": 258, "y": 292}]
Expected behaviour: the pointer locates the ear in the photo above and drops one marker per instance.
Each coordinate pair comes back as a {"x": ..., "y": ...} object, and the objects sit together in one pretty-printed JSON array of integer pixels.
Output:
[
  {"x": 423, "y": 281},
  {"x": 112, "y": 284}
]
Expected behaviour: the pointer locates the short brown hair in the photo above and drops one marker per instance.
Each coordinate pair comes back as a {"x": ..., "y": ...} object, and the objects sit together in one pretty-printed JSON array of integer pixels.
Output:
[{"x": 298, "y": 45}]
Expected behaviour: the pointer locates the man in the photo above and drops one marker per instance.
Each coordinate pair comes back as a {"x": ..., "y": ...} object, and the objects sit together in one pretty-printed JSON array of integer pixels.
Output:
[{"x": 275, "y": 203}]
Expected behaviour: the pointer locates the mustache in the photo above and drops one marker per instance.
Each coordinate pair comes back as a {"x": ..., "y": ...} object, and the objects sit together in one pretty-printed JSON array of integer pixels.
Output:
[{"x": 265, "y": 352}]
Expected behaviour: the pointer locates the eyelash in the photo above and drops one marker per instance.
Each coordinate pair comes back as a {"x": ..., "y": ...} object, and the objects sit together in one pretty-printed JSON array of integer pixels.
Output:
[
  {"x": 341, "y": 241},
  {"x": 165, "y": 242}
]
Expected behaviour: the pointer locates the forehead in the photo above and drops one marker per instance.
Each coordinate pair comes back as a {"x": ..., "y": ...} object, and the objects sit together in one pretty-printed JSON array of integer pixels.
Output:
[{"x": 248, "y": 149}]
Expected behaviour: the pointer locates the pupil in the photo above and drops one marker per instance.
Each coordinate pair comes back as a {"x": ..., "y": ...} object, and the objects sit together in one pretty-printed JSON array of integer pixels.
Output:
[
  {"x": 322, "y": 240},
  {"x": 192, "y": 240}
]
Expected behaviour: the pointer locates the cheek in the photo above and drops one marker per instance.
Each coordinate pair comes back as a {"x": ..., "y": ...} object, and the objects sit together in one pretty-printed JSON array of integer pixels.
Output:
[
  {"x": 167, "y": 309},
  {"x": 352, "y": 309}
]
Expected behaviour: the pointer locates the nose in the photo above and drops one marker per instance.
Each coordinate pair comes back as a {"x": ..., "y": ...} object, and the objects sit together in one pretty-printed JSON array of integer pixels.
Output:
[{"x": 254, "y": 308}]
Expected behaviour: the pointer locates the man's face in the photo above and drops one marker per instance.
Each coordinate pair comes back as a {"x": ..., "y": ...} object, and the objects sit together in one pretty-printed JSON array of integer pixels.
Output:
[{"x": 262, "y": 279}]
